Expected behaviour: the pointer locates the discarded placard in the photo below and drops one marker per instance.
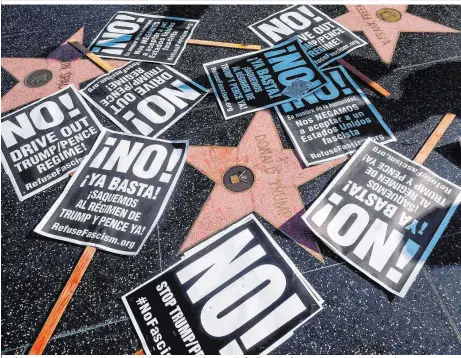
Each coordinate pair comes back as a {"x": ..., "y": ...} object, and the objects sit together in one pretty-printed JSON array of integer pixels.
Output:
[
  {"x": 324, "y": 39},
  {"x": 44, "y": 141},
  {"x": 117, "y": 195},
  {"x": 251, "y": 82},
  {"x": 384, "y": 214},
  {"x": 236, "y": 293},
  {"x": 144, "y": 98},
  {"x": 144, "y": 37},
  {"x": 333, "y": 121}
]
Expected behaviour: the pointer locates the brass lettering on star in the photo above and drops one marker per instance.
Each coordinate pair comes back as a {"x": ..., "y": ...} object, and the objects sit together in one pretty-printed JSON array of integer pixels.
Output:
[{"x": 370, "y": 20}]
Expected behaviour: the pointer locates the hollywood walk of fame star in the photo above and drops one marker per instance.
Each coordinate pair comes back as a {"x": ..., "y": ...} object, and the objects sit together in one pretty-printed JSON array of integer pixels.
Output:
[
  {"x": 382, "y": 25},
  {"x": 40, "y": 77},
  {"x": 257, "y": 176}
]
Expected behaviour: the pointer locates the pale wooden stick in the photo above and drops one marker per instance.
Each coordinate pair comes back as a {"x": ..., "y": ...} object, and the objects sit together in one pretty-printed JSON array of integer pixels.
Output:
[
  {"x": 93, "y": 57},
  {"x": 224, "y": 44},
  {"x": 62, "y": 302},
  {"x": 375, "y": 85},
  {"x": 432, "y": 141}
]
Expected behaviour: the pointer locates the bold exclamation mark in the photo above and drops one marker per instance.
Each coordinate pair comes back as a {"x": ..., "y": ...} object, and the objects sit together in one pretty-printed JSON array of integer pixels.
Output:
[
  {"x": 321, "y": 215},
  {"x": 97, "y": 161},
  {"x": 309, "y": 13},
  {"x": 409, "y": 250},
  {"x": 423, "y": 227},
  {"x": 339, "y": 80},
  {"x": 142, "y": 127},
  {"x": 66, "y": 100},
  {"x": 174, "y": 159},
  {"x": 156, "y": 193},
  {"x": 84, "y": 181}
]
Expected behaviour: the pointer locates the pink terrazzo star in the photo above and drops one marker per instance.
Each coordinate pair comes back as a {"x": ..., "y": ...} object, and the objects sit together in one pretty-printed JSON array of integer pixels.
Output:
[
  {"x": 64, "y": 63},
  {"x": 382, "y": 25},
  {"x": 274, "y": 194}
]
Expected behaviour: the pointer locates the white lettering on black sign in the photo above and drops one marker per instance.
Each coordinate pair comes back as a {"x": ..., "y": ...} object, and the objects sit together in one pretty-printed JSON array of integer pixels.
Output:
[
  {"x": 118, "y": 193},
  {"x": 251, "y": 82},
  {"x": 144, "y": 98},
  {"x": 333, "y": 121},
  {"x": 144, "y": 37},
  {"x": 384, "y": 214},
  {"x": 235, "y": 293},
  {"x": 44, "y": 141},
  {"x": 324, "y": 39}
]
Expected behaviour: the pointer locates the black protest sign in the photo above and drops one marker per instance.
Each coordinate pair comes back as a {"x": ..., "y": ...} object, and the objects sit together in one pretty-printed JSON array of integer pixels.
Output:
[
  {"x": 117, "y": 195},
  {"x": 144, "y": 98},
  {"x": 251, "y": 82},
  {"x": 44, "y": 141},
  {"x": 324, "y": 39},
  {"x": 383, "y": 214},
  {"x": 144, "y": 37},
  {"x": 333, "y": 121},
  {"x": 236, "y": 293}
]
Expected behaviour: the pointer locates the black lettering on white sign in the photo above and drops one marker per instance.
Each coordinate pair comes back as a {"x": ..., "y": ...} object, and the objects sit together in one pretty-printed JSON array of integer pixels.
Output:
[
  {"x": 117, "y": 195},
  {"x": 144, "y": 98},
  {"x": 236, "y": 293},
  {"x": 384, "y": 214},
  {"x": 324, "y": 39},
  {"x": 44, "y": 141},
  {"x": 333, "y": 121},
  {"x": 144, "y": 37},
  {"x": 251, "y": 82}
]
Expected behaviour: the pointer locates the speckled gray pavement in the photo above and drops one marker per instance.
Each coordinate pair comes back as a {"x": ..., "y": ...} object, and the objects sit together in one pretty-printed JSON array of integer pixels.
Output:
[{"x": 359, "y": 316}]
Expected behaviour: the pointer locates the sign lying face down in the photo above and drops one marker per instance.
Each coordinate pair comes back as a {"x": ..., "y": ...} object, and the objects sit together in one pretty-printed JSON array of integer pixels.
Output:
[
  {"x": 44, "y": 141},
  {"x": 235, "y": 293},
  {"x": 324, "y": 39},
  {"x": 144, "y": 98},
  {"x": 117, "y": 195},
  {"x": 384, "y": 214}
]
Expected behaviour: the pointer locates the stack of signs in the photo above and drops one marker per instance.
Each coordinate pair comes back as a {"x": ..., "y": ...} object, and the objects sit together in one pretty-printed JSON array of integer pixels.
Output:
[
  {"x": 383, "y": 214},
  {"x": 144, "y": 98},
  {"x": 251, "y": 82},
  {"x": 333, "y": 121},
  {"x": 235, "y": 293},
  {"x": 323, "y": 38},
  {"x": 143, "y": 37},
  {"x": 118, "y": 193},
  {"x": 44, "y": 141}
]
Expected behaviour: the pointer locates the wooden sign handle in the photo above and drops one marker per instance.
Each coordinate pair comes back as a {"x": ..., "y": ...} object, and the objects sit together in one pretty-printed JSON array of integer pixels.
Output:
[{"x": 62, "y": 302}]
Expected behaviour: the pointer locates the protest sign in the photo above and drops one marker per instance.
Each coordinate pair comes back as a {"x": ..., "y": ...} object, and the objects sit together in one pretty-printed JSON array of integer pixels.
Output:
[
  {"x": 118, "y": 193},
  {"x": 333, "y": 121},
  {"x": 251, "y": 82},
  {"x": 235, "y": 293},
  {"x": 144, "y": 37},
  {"x": 44, "y": 141},
  {"x": 384, "y": 213},
  {"x": 144, "y": 98},
  {"x": 324, "y": 39}
]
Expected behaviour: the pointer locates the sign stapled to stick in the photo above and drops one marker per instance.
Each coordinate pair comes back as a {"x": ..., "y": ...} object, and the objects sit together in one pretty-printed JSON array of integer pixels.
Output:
[
  {"x": 324, "y": 39},
  {"x": 144, "y": 37},
  {"x": 144, "y": 98},
  {"x": 255, "y": 81},
  {"x": 333, "y": 121},
  {"x": 235, "y": 293},
  {"x": 384, "y": 213},
  {"x": 117, "y": 195},
  {"x": 44, "y": 141}
]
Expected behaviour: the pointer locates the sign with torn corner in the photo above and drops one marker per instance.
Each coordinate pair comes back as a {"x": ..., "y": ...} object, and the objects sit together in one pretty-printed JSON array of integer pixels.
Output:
[
  {"x": 255, "y": 81},
  {"x": 383, "y": 214},
  {"x": 44, "y": 141},
  {"x": 144, "y": 98},
  {"x": 324, "y": 39},
  {"x": 144, "y": 37},
  {"x": 236, "y": 293},
  {"x": 333, "y": 121},
  {"x": 118, "y": 193}
]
